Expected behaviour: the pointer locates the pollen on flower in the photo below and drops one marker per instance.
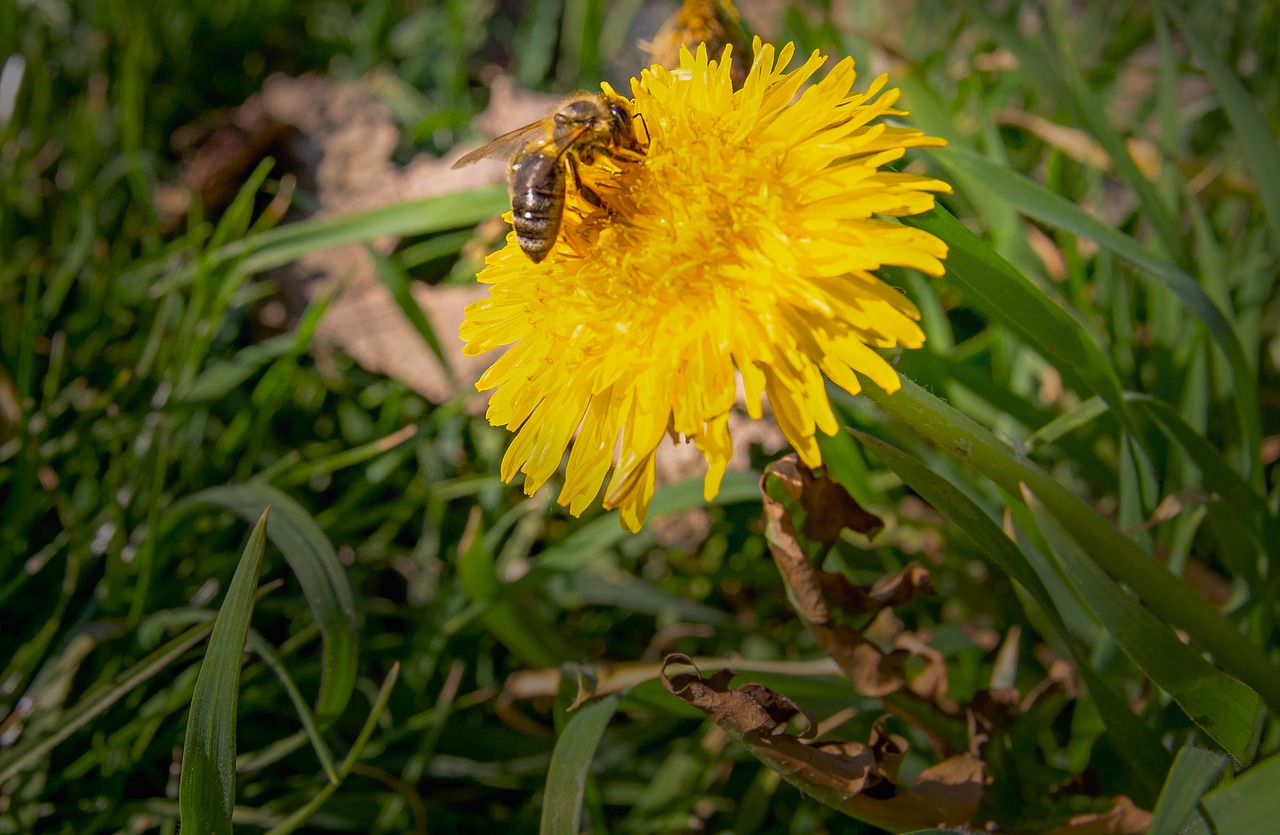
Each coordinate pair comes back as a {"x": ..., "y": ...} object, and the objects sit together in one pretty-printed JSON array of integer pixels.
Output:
[{"x": 741, "y": 247}]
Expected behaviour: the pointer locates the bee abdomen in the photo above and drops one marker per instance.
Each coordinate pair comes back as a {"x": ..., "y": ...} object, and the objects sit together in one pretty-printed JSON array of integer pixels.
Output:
[
  {"x": 536, "y": 210},
  {"x": 534, "y": 202}
]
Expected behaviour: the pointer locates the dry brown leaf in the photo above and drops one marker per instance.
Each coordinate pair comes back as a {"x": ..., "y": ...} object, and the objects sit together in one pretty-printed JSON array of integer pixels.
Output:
[
  {"x": 817, "y": 594},
  {"x": 896, "y": 589},
  {"x": 859, "y": 779},
  {"x": 10, "y": 410},
  {"x": 1270, "y": 452},
  {"x": 993, "y": 710},
  {"x": 612, "y": 678},
  {"x": 1047, "y": 250},
  {"x": 217, "y": 159},
  {"x": 1074, "y": 142},
  {"x": 751, "y": 709},
  {"x": 871, "y": 671},
  {"x": 954, "y": 785},
  {"x": 336, "y": 140},
  {"x": 1124, "y": 818},
  {"x": 1172, "y": 505},
  {"x": 828, "y": 507},
  {"x": 931, "y": 683}
]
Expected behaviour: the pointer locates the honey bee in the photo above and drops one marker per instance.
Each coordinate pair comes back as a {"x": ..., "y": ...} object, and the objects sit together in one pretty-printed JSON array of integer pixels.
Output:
[{"x": 545, "y": 155}]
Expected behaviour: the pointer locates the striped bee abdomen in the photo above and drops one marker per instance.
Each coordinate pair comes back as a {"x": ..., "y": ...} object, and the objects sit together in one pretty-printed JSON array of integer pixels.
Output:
[{"x": 537, "y": 203}]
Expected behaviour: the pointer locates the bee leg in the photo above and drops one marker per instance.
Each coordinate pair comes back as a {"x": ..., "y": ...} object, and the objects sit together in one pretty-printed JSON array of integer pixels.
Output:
[
  {"x": 644, "y": 125},
  {"x": 621, "y": 154},
  {"x": 571, "y": 165}
]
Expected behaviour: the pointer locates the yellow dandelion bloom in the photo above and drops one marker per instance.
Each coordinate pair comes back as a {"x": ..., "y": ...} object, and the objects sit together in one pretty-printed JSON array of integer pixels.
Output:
[{"x": 740, "y": 247}]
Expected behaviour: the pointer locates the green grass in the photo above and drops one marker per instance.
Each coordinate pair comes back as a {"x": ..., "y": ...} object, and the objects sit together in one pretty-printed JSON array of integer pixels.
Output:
[{"x": 1058, "y": 409}]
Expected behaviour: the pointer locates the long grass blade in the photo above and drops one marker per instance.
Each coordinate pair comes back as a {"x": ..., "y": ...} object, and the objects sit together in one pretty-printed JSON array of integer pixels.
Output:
[
  {"x": 1134, "y": 740},
  {"x": 1225, "y": 709},
  {"x": 1039, "y": 203},
  {"x": 269, "y": 657},
  {"x": 323, "y": 579},
  {"x": 206, "y": 792},
  {"x": 296, "y": 819},
  {"x": 1250, "y": 803},
  {"x": 1010, "y": 298},
  {"x": 279, "y": 246},
  {"x": 570, "y": 762},
  {"x": 22, "y": 756},
  {"x": 398, "y": 284},
  {"x": 1194, "y": 771},
  {"x": 1261, "y": 151},
  {"x": 973, "y": 447}
]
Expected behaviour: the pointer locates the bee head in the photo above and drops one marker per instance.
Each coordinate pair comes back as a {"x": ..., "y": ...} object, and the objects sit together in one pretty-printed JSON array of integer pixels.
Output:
[
  {"x": 579, "y": 111},
  {"x": 621, "y": 120}
]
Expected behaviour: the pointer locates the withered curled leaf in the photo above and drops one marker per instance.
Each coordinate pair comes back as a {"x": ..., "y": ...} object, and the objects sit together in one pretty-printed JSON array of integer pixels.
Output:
[
  {"x": 859, "y": 779},
  {"x": 751, "y": 709},
  {"x": 827, "y": 507},
  {"x": 795, "y": 498},
  {"x": 1123, "y": 818}
]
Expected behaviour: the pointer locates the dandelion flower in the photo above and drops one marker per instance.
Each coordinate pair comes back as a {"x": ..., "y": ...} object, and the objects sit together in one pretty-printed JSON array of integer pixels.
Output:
[{"x": 741, "y": 247}]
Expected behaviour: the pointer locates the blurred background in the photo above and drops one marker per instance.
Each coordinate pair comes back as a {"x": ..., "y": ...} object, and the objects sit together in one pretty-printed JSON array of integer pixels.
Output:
[{"x": 181, "y": 343}]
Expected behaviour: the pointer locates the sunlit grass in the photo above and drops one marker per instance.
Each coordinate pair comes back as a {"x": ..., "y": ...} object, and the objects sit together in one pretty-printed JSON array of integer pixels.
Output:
[{"x": 1112, "y": 333}]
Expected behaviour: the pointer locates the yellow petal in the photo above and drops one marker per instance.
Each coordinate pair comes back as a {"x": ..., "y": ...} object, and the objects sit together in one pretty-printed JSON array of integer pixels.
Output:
[{"x": 740, "y": 247}]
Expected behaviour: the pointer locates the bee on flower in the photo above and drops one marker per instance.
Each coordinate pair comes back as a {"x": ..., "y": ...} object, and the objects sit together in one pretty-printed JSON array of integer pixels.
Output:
[
  {"x": 740, "y": 244},
  {"x": 549, "y": 156}
]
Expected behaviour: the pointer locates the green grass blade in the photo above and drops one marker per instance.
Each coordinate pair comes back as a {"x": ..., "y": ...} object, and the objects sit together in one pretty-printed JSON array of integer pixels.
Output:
[
  {"x": 398, "y": 284},
  {"x": 220, "y": 378},
  {"x": 1069, "y": 421},
  {"x": 580, "y": 42},
  {"x": 1134, "y": 740},
  {"x": 1250, "y": 803},
  {"x": 1057, "y": 74},
  {"x": 518, "y": 630},
  {"x": 999, "y": 290},
  {"x": 207, "y": 785},
  {"x": 416, "y": 217},
  {"x": 843, "y": 461},
  {"x": 301, "y": 472},
  {"x": 77, "y": 253},
  {"x": 300, "y": 817},
  {"x": 323, "y": 579},
  {"x": 269, "y": 657},
  {"x": 29, "y": 752},
  {"x": 1243, "y": 523},
  {"x": 279, "y": 246},
  {"x": 1241, "y": 520},
  {"x": 1261, "y": 152},
  {"x": 604, "y": 587},
  {"x": 974, "y": 448},
  {"x": 1092, "y": 112},
  {"x": 1035, "y": 201},
  {"x": 1194, "y": 771},
  {"x": 570, "y": 762},
  {"x": 539, "y": 26},
  {"x": 1225, "y": 709},
  {"x": 586, "y": 544}
]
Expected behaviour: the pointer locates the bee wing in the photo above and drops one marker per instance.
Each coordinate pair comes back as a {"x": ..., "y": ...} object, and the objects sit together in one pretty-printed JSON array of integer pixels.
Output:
[
  {"x": 556, "y": 146},
  {"x": 508, "y": 144}
]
